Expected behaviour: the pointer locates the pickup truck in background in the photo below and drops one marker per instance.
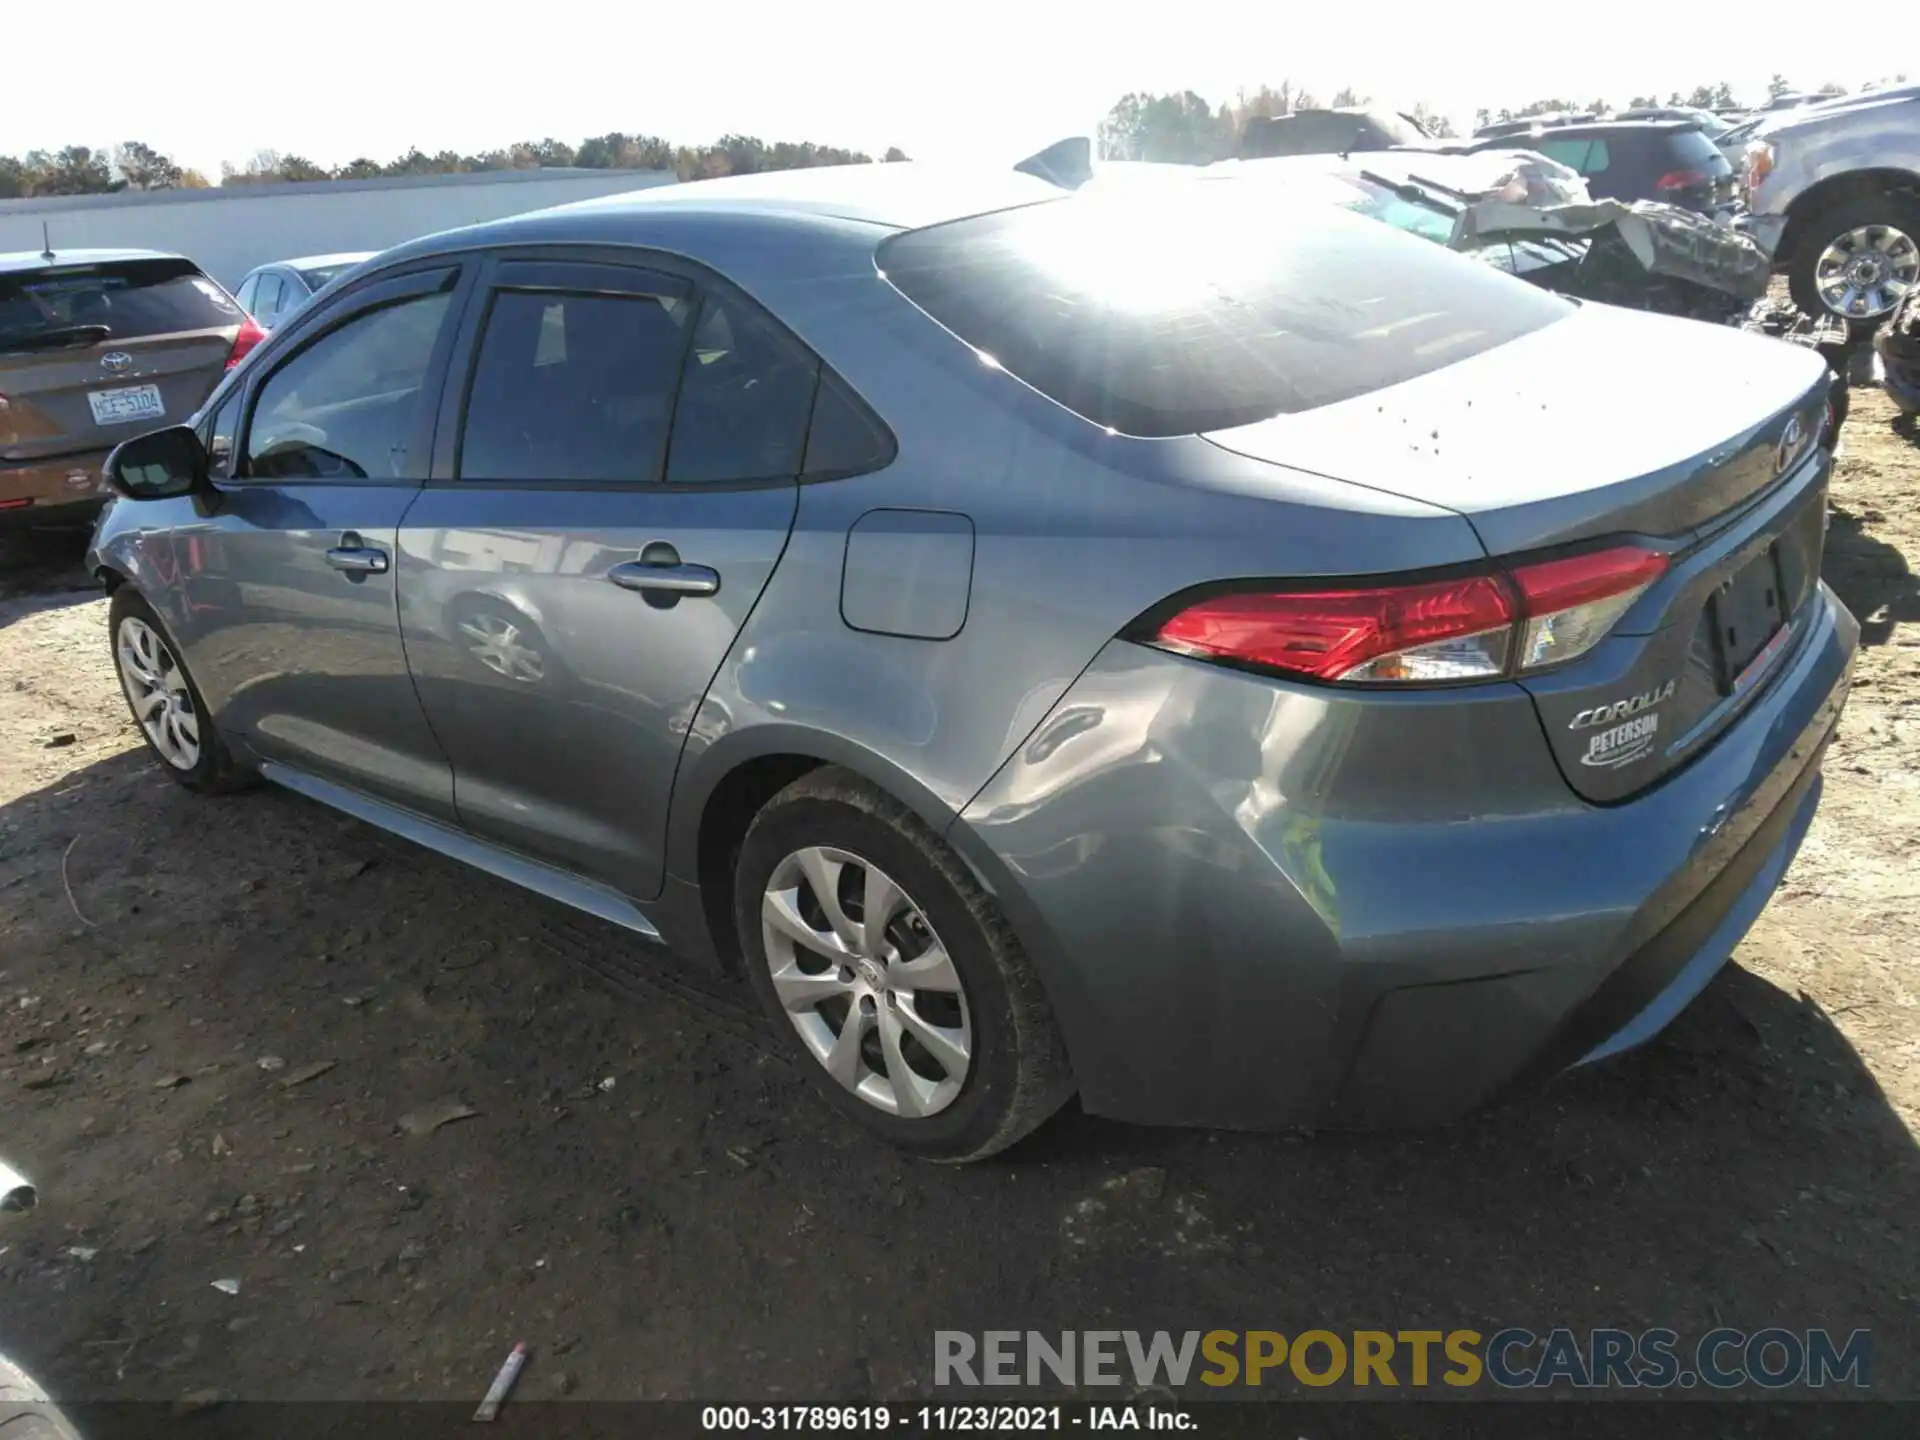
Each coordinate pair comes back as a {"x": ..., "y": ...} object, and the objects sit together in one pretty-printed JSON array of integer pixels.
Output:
[{"x": 1834, "y": 194}]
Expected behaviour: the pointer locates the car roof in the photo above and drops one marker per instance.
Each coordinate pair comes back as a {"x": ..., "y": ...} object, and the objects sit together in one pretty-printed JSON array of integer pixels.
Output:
[
  {"x": 316, "y": 262},
  {"x": 905, "y": 195},
  {"x": 1599, "y": 128},
  {"x": 17, "y": 262}
]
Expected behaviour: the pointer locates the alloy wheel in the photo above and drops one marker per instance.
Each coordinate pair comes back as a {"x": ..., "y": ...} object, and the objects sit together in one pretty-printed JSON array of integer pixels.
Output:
[
  {"x": 866, "y": 982},
  {"x": 156, "y": 687},
  {"x": 1865, "y": 272}
]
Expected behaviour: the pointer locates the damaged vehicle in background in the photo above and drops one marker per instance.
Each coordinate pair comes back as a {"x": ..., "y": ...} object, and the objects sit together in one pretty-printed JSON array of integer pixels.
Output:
[
  {"x": 1327, "y": 132},
  {"x": 1534, "y": 218},
  {"x": 1833, "y": 193},
  {"x": 1898, "y": 343}
]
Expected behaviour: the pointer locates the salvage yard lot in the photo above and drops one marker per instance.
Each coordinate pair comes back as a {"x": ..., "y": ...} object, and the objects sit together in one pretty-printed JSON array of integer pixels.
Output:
[{"x": 649, "y": 1198}]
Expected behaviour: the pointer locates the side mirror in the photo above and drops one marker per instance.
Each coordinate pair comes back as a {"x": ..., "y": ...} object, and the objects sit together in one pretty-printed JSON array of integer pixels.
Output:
[{"x": 159, "y": 465}]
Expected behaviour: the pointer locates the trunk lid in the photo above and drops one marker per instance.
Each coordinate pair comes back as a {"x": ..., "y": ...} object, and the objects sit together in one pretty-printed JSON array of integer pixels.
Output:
[
  {"x": 1607, "y": 422},
  {"x": 1612, "y": 427},
  {"x": 91, "y": 353}
]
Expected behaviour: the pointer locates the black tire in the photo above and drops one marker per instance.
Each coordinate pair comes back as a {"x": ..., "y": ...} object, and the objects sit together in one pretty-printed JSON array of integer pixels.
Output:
[
  {"x": 1018, "y": 1074},
  {"x": 1900, "y": 209},
  {"x": 216, "y": 771},
  {"x": 25, "y": 1410}
]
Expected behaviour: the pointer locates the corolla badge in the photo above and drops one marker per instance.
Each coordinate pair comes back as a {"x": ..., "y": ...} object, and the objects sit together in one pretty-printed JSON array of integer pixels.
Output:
[
  {"x": 1788, "y": 450},
  {"x": 1621, "y": 709},
  {"x": 116, "y": 362}
]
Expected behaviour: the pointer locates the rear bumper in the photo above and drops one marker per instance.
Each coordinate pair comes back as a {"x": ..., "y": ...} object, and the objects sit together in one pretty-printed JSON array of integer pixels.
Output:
[
  {"x": 1258, "y": 905},
  {"x": 59, "y": 490}
]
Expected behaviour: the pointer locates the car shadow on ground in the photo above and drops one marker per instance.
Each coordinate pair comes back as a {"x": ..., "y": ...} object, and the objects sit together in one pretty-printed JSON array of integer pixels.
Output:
[
  {"x": 649, "y": 1190},
  {"x": 1869, "y": 575},
  {"x": 42, "y": 570}
]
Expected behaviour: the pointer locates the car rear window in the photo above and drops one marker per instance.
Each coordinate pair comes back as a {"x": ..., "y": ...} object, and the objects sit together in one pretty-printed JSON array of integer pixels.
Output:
[
  {"x": 319, "y": 275},
  {"x": 122, "y": 300},
  {"x": 1696, "y": 152},
  {"x": 1232, "y": 306}
]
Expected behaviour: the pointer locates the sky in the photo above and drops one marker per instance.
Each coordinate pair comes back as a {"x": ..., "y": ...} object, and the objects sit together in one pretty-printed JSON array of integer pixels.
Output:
[{"x": 990, "y": 80}]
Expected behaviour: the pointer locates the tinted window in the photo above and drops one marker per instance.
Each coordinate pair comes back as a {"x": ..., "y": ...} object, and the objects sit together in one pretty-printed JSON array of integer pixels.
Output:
[
  {"x": 266, "y": 303},
  {"x": 320, "y": 274},
  {"x": 1239, "y": 304},
  {"x": 1694, "y": 151},
  {"x": 844, "y": 437},
  {"x": 346, "y": 407},
  {"x": 574, "y": 387},
  {"x": 1589, "y": 157},
  {"x": 49, "y": 309},
  {"x": 248, "y": 288},
  {"x": 744, "y": 399}
]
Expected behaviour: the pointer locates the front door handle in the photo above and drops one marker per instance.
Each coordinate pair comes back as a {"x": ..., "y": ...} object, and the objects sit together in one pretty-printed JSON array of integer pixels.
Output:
[
  {"x": 358, "y": 559},
  {"x": 669, "y": 579}
]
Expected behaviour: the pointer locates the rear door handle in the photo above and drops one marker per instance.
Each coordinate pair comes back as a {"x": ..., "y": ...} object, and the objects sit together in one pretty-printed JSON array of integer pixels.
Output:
[
  {"x": 671, "y": 579},
  {"x": 358, "y": 559}
]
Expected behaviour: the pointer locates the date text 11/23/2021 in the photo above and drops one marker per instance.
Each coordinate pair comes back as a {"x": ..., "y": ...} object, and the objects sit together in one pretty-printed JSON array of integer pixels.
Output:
[{"x": 928, "y": 1419}]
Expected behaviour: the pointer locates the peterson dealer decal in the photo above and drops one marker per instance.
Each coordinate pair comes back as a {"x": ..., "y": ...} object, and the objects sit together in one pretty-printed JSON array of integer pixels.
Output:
[
  {"x": 1623, "y": 744},
  {"x": 1633, "y": 739}
]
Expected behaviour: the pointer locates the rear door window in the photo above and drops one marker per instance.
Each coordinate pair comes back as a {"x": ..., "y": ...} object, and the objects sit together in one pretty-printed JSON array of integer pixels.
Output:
[
  {"x": 576, "y": 387},
  {"x": 744, "y": 399},
  {"x": 1239, "y": 304},
  {"x": 94, "y": 304}
]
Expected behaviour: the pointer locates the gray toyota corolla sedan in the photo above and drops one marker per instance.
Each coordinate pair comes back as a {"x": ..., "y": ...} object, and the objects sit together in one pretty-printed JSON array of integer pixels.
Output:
[{"x": 1227, "y": 658}]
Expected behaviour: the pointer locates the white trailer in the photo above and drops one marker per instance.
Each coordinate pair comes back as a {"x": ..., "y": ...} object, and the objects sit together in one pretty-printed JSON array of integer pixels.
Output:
[{"x": 230, "y": 229}]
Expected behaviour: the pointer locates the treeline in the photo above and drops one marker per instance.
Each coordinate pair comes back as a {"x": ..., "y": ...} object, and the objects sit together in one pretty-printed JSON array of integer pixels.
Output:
[
  {"x": 78, "y": 170},
  {"x": 1187, "y": 129}
]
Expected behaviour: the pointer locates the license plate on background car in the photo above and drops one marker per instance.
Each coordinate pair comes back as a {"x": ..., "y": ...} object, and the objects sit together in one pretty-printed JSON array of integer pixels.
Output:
[
  {"x": 117, "y": 407},
  {"x": 1748, "y": 611}
]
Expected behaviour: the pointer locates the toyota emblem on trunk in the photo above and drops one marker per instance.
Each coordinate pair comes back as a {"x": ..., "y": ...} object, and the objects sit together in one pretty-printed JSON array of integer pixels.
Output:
[
  {"x": 116, "y": 361},
  {"x": 1788, "y": 449}
]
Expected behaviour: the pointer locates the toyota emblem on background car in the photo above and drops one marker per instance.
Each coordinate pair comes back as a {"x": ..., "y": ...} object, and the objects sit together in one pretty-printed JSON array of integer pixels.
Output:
[
  {"x": 117, "y": 361},
  {"x": 1789, "y": 447}
]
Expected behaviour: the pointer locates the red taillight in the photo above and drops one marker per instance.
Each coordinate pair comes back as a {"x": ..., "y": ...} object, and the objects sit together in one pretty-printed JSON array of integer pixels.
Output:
[
  {"x": 1681, "y": 179},
  {"x": 1473, "y": 627},
  {"x": 1355, "y": 634},
  {"x": 250, "y": 335}
]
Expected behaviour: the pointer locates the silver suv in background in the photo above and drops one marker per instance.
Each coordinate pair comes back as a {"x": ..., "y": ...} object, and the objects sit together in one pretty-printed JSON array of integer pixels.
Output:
[
  {"x": 271, "y": 293},
  {"x": 96, "y": 345},
  {"x": 1834, "y": 190}
]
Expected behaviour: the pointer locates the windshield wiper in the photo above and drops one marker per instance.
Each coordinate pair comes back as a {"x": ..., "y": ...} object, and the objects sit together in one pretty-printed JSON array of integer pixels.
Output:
[
  {"x": 1413, "y": 194},
  {"x": 59, "y": 337}
]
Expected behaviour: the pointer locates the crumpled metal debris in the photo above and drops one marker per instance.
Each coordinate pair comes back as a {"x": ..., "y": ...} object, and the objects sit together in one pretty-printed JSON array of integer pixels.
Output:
[
  {"x": 1898, "y": 344},
  {"x": 1663, "y": 240}
]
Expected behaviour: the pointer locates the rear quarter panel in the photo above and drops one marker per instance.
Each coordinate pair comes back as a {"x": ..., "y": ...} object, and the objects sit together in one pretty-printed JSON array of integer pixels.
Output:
[{"x": 1076, "y": 532}]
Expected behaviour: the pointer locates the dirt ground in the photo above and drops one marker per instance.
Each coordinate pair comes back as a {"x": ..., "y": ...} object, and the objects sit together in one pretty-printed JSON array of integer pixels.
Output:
[{"x": 647, "y": 1197}]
